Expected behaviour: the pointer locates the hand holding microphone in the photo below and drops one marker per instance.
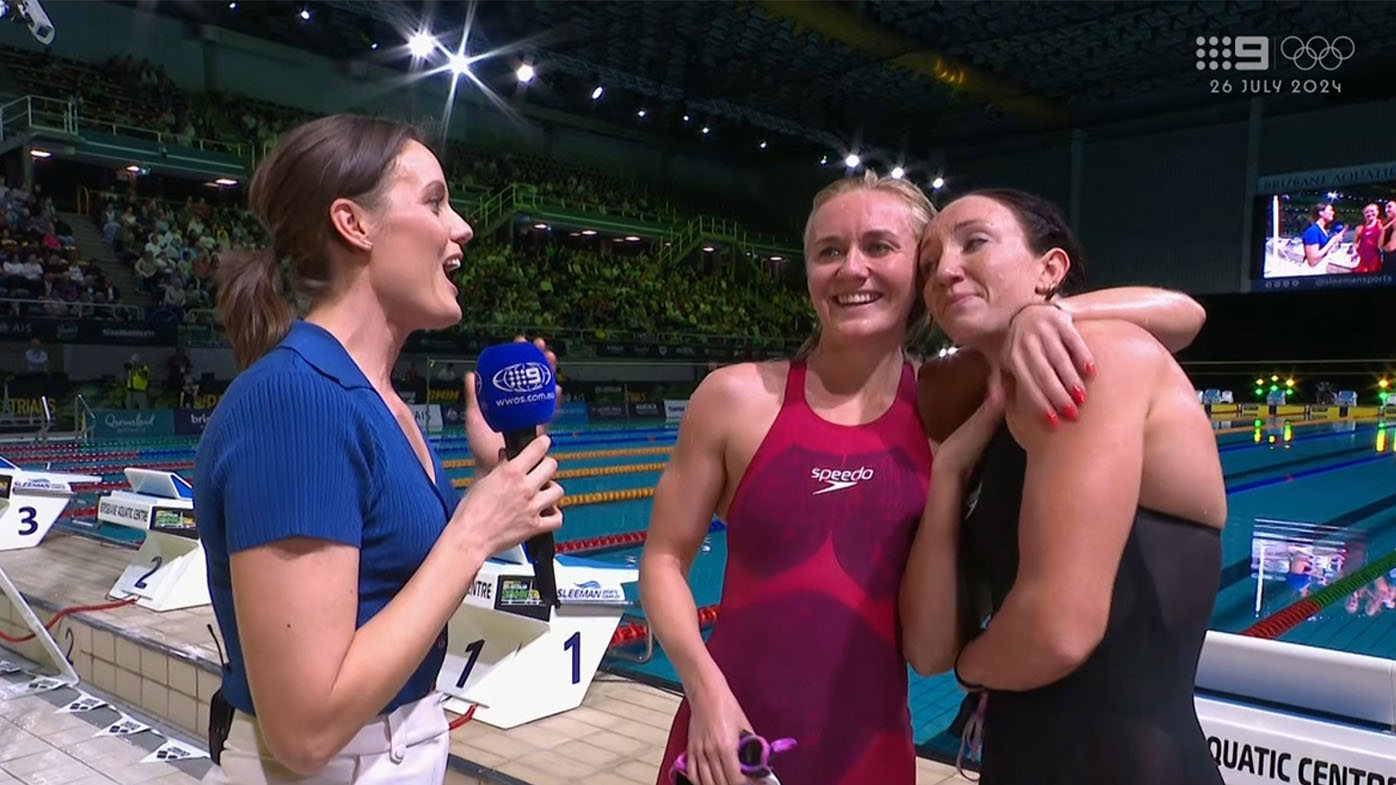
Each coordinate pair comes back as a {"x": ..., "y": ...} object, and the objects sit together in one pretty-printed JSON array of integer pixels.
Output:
[
  {"x": 517, "y": 394},
  {"x": 515, "y": 502}
]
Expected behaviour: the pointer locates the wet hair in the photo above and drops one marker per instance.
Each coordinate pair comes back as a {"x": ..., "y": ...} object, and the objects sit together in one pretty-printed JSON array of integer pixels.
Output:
[
  {"x": 1044, "y": 228},
  {"x": 339, "y": 156},
  {"x": 920, "y": 210}
]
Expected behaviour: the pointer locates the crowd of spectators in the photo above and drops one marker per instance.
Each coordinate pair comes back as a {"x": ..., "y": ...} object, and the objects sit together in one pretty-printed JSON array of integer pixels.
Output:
[
  {"x": 553, "y": 286},
  {"x": 41, "y": 272},
  {"x": 173, "y": 249}
]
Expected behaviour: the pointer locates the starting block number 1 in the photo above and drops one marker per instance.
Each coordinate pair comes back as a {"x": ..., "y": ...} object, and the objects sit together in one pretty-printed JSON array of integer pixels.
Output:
[{"x": 473, "y": 649}]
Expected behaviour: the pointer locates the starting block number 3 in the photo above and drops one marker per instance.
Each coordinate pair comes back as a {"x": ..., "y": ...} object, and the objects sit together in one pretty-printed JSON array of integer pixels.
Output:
[
  {"x": 20, "y": 527},
  {"x": 472, "y": 650},
  {"x": 28, "y": 521}
]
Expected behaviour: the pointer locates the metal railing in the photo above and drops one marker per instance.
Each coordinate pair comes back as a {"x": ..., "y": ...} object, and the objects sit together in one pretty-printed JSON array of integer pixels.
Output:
[
  {"x": 38, "y": 113},
  {"x": 84, "y": 419},
  {"x": 590, "y": 334},
  {"x": 162, "y": 137},
  {"x": 62, "y": 309}
]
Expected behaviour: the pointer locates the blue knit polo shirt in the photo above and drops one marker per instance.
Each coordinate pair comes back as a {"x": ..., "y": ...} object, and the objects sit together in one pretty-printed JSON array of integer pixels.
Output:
[{"x": 302, "y": 446}]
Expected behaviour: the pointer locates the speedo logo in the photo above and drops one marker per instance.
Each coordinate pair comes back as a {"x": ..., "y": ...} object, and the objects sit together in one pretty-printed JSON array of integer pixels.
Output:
[{"x": 838, "y": 479}]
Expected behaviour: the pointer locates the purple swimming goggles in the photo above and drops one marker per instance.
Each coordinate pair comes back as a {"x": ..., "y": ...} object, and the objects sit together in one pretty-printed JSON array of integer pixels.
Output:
[{"x": 753, "y": 755}]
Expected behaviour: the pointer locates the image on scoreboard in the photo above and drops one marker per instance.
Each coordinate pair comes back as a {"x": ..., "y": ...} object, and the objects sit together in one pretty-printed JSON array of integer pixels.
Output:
[{"x": 1340, "y": 236}]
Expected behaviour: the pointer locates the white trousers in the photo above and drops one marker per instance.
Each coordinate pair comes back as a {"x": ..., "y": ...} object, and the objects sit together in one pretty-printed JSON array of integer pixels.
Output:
[{"x": 406, "y": 747}]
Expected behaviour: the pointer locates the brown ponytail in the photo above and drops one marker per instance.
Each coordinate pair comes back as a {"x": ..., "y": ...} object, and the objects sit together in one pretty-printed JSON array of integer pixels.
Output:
[{"x": 255, "y": 314}]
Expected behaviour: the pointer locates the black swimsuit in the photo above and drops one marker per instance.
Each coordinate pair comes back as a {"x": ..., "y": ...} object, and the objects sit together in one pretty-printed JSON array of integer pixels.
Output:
[{"x": 1126, "y": 715}]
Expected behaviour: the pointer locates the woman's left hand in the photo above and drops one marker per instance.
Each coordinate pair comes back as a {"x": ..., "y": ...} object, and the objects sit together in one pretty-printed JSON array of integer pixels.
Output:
[
  {"x": 485, "y": 445},
  {"x": 1048, "y": 360}
]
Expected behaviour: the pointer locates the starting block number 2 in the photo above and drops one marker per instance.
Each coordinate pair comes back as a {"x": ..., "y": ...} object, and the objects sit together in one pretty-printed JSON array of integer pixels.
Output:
[
  {"x": 142, "y": 579},
  {"x": 473, "y": 649},
  {"x": 155, "y": 564}
]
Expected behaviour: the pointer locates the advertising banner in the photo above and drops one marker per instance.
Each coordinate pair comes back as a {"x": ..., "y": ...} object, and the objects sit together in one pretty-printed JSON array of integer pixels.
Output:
[
  {"x": 428, "y": 417},
  {"x": 191, "y": 422},
  {"x": 571, "y": 415},
  {"x": 674, "y": 409},
  {"x": 99, "y": 331},
  {"x": 607, "y": 411},
  {"x": 134, "y": 423},
  {"x": 645, "y": 410}
]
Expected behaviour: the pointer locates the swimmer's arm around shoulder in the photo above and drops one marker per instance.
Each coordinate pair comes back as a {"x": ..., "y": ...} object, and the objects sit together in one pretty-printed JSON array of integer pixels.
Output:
[
  {"x": 685, "y": 499},
  {"x": 1172, "y": 317},
  {"x": 929, "y": 601},
  {"x": 295, "y": 507},
  {"x": 1080, "y": 493}
]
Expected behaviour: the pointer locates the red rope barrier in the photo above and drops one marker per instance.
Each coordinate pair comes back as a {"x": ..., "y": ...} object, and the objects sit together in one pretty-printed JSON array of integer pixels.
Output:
[
  {"x": 464, "y": 718},
  {"x": 66, "y": 611},
  {"x": 631, "y": 632}
]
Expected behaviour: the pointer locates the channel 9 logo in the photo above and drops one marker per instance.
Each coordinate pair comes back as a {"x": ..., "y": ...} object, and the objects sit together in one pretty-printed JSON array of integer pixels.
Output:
[{"x": 1252, "y": 52}]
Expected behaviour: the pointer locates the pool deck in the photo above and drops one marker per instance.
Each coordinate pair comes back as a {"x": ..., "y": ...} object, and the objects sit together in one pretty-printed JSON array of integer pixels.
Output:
[{"x": 165, "y": 666}]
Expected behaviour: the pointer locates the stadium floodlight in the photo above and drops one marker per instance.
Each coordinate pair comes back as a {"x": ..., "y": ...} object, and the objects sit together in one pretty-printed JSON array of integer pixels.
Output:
[{"x": 421, "y": 44}]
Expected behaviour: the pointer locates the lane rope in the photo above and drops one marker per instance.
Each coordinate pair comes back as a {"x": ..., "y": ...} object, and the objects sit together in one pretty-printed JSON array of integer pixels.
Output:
[{"x": 1292, "y": 615}]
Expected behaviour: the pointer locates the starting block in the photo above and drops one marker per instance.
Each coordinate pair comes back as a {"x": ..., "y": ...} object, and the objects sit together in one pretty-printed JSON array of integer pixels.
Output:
[
  {"x": 30, "y": 502},
  {"x": 169, "y": 571},
  {"x": 516, "y": 659}
]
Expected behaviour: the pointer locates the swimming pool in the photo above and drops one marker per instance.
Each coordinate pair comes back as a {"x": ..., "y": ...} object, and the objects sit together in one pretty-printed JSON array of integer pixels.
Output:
[{"x": 1309, "y": 503}]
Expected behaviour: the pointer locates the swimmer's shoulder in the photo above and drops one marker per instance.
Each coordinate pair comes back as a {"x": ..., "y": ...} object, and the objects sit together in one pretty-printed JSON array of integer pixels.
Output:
[
  {"x": 743, "y": 383},
  {"x": 734, "y": 393},
  {"x": 1129, "y": 363},
  {"x": 1128, "y": 344}
]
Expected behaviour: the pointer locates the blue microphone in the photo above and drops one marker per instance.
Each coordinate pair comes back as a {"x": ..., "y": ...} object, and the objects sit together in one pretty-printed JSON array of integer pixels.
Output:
[{"x": 517, "y": 392}]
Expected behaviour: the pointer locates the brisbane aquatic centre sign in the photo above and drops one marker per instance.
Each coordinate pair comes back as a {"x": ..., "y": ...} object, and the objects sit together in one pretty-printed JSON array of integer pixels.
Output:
[{"x": 1242, "y": 761}]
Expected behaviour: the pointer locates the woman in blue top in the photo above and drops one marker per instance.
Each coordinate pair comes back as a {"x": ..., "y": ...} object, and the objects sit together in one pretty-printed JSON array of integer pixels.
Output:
[{"x": 337, "y": 549}]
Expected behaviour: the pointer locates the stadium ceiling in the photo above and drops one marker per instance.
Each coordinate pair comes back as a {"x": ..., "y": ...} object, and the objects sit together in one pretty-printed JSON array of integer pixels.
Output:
[{"x": 839, "y": 76}]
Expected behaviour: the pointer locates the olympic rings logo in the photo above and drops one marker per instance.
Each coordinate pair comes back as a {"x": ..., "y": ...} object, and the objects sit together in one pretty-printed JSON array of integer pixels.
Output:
[{"x": 1317, "y": 52}]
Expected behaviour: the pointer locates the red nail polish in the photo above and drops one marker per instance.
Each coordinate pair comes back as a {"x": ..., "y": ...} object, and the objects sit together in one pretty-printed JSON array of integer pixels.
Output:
[
  {"x": 1070, "y": 412},
  {"x": 1078, "y": 394},
  {"x": 1052, "y": 419},
  {"x": 1090, "y": 368}
]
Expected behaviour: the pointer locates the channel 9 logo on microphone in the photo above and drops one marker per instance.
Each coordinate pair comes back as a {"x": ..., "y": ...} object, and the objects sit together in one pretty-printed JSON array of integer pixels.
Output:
[
  {"x": 520, "y": 383},
  {"x": 525, "y": 377},
  {"x": 515, "y": 386}
]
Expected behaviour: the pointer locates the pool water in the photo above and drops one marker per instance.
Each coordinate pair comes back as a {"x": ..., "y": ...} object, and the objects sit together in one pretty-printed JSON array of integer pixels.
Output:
[{"x": 1308, "y": 503}]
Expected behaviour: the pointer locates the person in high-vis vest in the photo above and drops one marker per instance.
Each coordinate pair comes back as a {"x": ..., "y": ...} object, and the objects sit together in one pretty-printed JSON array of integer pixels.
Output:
[{"x": 137, "y": 382}]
